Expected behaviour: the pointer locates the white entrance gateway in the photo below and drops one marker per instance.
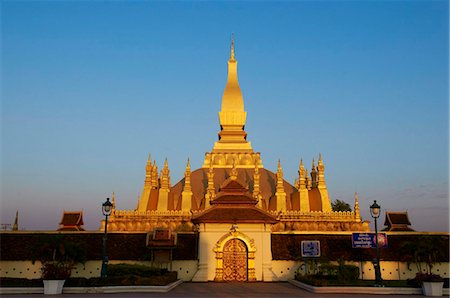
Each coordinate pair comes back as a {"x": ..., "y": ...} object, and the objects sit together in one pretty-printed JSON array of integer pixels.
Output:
[{"x": 234, "y": 237}]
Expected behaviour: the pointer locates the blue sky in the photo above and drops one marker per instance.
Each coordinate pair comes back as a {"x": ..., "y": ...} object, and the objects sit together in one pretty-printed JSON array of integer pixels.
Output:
[{"x": 89, "y": 89}]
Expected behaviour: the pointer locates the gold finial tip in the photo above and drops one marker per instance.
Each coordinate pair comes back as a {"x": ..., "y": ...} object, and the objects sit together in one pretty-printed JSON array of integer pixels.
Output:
[{"x": 232, "y": 47}]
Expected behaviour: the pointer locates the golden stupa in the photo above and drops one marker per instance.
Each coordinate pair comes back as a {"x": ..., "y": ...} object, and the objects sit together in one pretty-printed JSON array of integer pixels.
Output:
[{"x": 302, "y": 206}]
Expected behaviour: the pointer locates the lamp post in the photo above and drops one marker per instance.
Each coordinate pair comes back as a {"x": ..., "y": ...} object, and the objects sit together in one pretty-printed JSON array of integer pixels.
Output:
[
  {"x": 375, "y": 213},
  {"x": 106, "y": 210}
]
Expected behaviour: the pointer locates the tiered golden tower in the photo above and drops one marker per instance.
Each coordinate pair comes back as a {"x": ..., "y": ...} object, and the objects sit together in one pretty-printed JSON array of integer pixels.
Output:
[{"x": 304, "y": 206}]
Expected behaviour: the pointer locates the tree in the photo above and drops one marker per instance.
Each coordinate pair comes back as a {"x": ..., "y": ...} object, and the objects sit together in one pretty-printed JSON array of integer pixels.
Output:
[{"x": 339, "y": 205}]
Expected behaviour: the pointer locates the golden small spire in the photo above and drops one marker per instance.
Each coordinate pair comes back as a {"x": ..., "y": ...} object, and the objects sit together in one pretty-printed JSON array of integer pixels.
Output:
[
  {"x": 280, "y": 177},
  {"x": 187, "y": 177},
  {"x": 165, "y": 177},
  {"x": 154, "y": 180},
  {"x": 186, "y": 195},
  {"x": 280, "y": 193},
  {"x": 301, "y": 168},
  {"x": 113, "y": 201},
  {"x": 356, "y": 208},
  {"x": 320, "y": 166},
  {"x": 301, "y": 176},
  {"x": 148, "y": 174},
  {"x": 308, "y": 182}
]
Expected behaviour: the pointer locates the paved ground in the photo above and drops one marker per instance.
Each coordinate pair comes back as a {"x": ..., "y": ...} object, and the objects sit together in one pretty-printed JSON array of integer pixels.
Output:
[{"x": 222, "y": 290}]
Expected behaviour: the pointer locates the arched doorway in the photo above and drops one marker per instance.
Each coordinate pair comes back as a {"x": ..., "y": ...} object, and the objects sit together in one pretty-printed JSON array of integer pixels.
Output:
[
  {"x": 235, "y": 256},
  {"x": 238, "y": 246}
]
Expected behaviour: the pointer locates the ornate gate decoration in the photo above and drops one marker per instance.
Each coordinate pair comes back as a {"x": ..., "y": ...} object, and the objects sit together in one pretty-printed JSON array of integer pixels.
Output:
[
  {"x": 234, "y": 261},
  {"x": 235, "y": 255}
]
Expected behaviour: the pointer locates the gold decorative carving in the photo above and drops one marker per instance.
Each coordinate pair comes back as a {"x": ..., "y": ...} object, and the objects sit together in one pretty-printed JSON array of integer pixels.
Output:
[{"x": 234, "y": 261}]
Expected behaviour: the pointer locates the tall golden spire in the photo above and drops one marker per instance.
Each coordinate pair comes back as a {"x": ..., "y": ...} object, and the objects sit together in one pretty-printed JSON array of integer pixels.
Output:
[
  {"x": 232, "y": 100},
  {"x": 280, "y": 193},
  {"x": 232, "y": 116}
]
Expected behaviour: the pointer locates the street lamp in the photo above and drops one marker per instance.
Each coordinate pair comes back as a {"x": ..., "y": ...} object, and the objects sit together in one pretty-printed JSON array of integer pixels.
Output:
[
  {"x": 106, "y": 210},
  {"x": 375, "y": 213}
]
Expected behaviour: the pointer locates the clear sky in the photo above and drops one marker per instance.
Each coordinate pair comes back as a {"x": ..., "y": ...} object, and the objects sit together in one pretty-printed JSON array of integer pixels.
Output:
[{"x": 89, "y": 89}]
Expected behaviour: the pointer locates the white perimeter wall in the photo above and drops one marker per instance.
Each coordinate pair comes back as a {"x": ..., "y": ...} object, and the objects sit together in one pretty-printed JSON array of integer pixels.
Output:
[
  {"x": 285, "y": 270},
  {"x": 26, "y": 269}
]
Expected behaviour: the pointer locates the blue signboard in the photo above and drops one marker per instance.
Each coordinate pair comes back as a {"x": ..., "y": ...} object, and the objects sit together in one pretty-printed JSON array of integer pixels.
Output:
[
  {"x": 311, "y": 248},
  {"x": 367, "y": 240}
]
